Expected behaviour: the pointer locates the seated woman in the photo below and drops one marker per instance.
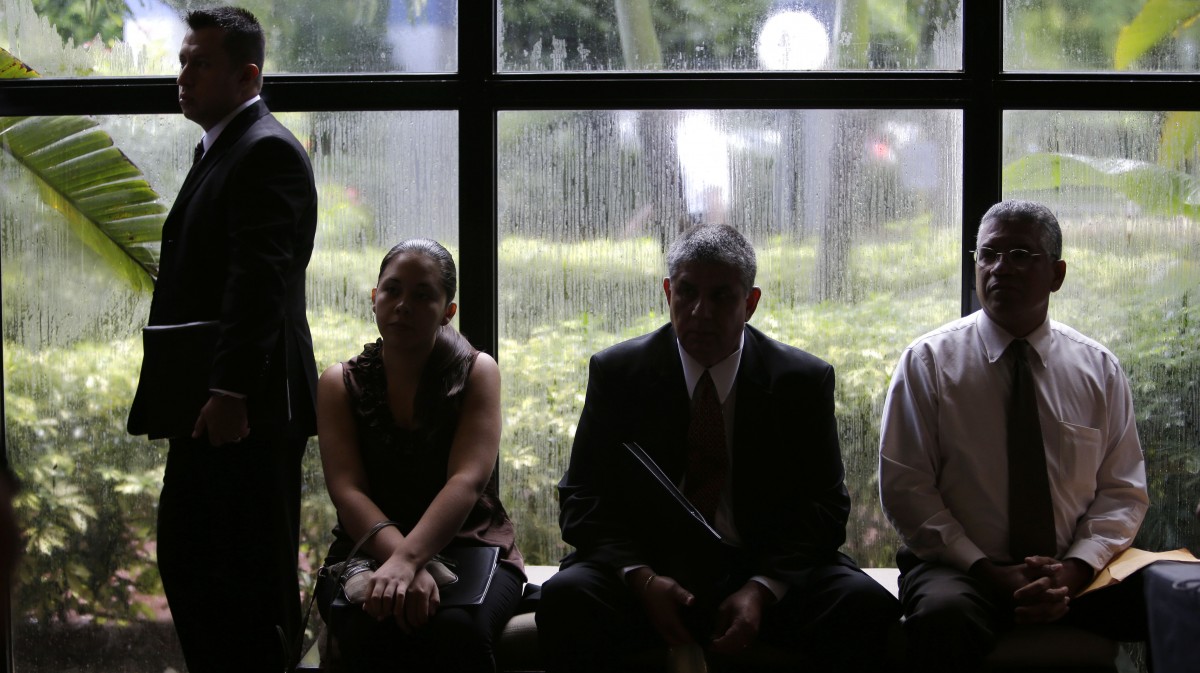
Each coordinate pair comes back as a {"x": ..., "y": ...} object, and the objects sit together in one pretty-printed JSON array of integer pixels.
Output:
[{"x": 410, "y": 432}]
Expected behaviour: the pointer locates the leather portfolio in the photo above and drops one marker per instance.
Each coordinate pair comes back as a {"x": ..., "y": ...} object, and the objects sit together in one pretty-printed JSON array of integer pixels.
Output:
[
  {"x": 176, "y": 362},
  {"x": 673, "y": 518},
  {"x": 474, "y": 567}
]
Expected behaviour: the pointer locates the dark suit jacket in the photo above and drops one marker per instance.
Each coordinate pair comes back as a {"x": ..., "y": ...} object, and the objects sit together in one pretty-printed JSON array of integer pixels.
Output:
[
  {"x": 790, "y": 503},
  {"x": 235, "y": 248}
]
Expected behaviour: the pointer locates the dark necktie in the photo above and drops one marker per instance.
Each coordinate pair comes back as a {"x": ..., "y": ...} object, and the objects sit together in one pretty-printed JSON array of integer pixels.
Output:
[
  {"x": 708, "y": 461},
  {"x": 198, "y": 153},
  {"x": 1030, "y": 511}
]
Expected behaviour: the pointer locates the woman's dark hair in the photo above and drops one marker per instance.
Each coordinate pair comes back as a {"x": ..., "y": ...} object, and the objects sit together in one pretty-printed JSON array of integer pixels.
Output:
[
  {"x": 433, "y": 250},
  {"x": 445, "y": 374}
]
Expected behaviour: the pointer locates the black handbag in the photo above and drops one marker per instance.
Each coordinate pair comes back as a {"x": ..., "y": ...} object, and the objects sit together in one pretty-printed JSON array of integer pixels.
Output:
[
  {"x": 330, "y": 590},
  {"x": 463, "y": 575}
]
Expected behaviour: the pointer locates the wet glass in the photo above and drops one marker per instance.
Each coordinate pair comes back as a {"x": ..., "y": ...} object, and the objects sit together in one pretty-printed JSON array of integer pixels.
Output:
[
  {"x": 1123, "y": 186},
  {"x": 1100, "y": 35},
  {"x": 721, "y": 35},
  {"x": 142, "y": 37},
  {"x": 87, "y": 595},
  {"x": 854, "y": 215}
]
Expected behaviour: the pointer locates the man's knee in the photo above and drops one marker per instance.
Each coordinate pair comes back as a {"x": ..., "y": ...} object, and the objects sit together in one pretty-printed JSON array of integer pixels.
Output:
[
  {"x": 867, "y": 597},
  {"x": 846, "y": 598},
  {"x": 580, "y": 619},
  {"x": 567, "y": 600},
  {"x": 948, "y": 625}
]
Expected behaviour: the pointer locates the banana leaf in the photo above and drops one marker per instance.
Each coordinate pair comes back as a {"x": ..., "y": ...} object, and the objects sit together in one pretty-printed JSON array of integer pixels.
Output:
[
  {"x": 1157, "y": 189},
  {"x": 1157, "y": 20},
  {"x": 103, "y": 196},
  {"x": 1180, "y": 138}
]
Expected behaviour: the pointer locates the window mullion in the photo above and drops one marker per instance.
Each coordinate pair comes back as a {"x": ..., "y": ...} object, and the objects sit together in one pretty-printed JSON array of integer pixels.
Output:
[{"x": 983, "y": 24}]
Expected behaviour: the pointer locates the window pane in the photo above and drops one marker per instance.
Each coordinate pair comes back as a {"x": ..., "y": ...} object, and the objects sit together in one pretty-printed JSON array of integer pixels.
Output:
[
  {"x": 87, "y": 595},
  {"x": 854, "y": 214},
  {"x": 560, "y": 35},
  {"x": 1124, "y": 185},
  {"x": 1104, "y": 35},
  {"x": 142, "y": 37}
]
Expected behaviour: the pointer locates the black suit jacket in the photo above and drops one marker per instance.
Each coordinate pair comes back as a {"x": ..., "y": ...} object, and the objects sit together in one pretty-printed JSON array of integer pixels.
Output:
[
  {"x": 235, "y": 248},
  {"x": 790, "y": 503}
]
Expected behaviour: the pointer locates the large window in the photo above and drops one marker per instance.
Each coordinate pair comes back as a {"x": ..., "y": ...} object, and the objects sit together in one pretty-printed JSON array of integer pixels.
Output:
[
  {"x": 557, "y": 147},
  {"x": 853, "y": 213}
]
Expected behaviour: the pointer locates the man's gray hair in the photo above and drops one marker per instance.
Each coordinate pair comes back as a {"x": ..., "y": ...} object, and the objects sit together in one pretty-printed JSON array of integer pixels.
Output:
[
  {"x": 1029, "y": 211},
  {"x": 719, "y": 243}
]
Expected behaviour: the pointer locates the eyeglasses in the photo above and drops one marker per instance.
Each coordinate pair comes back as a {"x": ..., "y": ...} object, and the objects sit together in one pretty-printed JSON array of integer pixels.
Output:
[{"x": 1020, "y": 258}]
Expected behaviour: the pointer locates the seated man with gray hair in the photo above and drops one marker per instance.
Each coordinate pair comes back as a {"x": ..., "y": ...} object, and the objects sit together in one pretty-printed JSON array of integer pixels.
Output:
[{"x": 744, "y": 426}]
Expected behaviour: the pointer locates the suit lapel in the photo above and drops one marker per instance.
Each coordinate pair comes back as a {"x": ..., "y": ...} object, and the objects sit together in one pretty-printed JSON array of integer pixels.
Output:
[
  {"x": 752, "y": 396},
  {"x": 670, "y": 391},
  {"x": 228, "y": 138}
]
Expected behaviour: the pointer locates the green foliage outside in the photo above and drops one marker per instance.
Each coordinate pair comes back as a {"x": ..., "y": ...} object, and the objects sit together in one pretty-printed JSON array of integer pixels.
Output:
[
  {"x": 320, "y": 36},
  {"x": 83, "y": 21}
]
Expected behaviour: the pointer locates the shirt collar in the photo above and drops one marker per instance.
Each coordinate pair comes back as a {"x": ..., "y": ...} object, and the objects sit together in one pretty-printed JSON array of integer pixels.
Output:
[
  {"x": 996, "y": 339},
  {"x": 211, "y": 135},
  {"x": 724, "y": 373}
]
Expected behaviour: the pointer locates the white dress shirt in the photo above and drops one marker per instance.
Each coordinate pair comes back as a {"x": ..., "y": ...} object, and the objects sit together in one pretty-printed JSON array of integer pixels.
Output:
[
  {"x": 211, "y": 135},
  {"x": 943, "y": 459}
]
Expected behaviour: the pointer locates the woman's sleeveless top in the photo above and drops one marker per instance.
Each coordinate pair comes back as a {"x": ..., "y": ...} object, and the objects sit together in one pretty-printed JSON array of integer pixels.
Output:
[{"x": 406, "y": 468}]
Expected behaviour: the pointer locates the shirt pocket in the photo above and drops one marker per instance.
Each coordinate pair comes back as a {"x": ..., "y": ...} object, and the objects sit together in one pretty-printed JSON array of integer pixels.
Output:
[{"x": 1079, "y": 453}]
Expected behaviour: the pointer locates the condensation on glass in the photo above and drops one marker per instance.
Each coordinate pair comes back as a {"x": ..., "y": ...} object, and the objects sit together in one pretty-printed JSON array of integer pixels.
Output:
[
  {"x": 88, "y": 584},
  {"x": 303, "y": 36},
  {"x": 723, "y": 35},
  {"x": 1100, "y": 35},
  {"x": 854, "y": 215},
  {"x": 1125, "y": 186}
]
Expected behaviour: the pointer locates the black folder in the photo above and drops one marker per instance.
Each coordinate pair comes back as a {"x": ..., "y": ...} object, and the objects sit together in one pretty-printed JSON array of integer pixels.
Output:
[
  {"x": 675, "y": 516},
  {"x": 475, "y": 567},
  {"x": 176, "y": 362}
]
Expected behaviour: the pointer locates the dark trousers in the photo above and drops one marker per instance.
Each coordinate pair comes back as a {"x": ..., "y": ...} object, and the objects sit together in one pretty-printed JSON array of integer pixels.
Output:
[
  {"x": 952, "y": 621},
  {"x": 589, "y": 620},
  {"x": 228, "y": 541},
  {"x": 456, "y": 639}
]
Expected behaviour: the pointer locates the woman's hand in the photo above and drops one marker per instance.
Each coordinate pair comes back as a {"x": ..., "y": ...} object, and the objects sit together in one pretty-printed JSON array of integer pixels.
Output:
[
  {"x": 404, "y": 592},
  {"x": 421, "y": 603}
]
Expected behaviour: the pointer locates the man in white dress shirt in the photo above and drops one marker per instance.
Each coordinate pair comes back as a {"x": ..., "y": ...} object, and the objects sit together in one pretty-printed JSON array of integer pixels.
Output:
[{"x": 945, "y": 461}]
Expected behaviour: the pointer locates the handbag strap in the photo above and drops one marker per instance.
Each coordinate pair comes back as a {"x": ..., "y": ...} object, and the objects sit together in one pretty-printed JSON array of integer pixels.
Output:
[
  {"x": 368, "y": 535},
  {"x": 312, "y": 595}
]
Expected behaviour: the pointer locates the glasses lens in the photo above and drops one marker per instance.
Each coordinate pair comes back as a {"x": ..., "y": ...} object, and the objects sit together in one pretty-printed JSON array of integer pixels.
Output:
[
  {"x": 1020, "y": 258},
  {"x": 986, "y": 256}
]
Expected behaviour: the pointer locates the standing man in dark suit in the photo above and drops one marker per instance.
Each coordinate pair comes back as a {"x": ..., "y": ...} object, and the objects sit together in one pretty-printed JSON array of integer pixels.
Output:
[
  {"x": 235, "y": 247},
  {"x": 774, "y": 489}
]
